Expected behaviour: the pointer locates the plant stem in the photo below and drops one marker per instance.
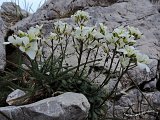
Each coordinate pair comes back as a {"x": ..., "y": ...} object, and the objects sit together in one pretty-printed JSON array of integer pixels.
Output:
[
  {"x": 80, "y": 56},
  {"x": 85, "y": 62},
  {"x": 106, "y": 80},
  {"x": 112, "y": 92}
]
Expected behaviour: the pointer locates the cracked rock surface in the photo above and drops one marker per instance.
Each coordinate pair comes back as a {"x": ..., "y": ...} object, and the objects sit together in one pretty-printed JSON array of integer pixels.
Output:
[
  {"x": 68, "y": 106},
  {"x": 2, "y": 47}
]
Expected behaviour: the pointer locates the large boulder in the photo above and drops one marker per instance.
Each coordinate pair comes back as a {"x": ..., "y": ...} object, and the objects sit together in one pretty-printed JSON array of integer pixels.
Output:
[
  {"x": 68, "y": 106},
  {"x": 2, "y": 47}
]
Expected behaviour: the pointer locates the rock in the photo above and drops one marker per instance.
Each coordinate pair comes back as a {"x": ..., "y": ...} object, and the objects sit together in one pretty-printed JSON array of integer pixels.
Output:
[
  {"x": 156, "y": 3},
  {"x": 53, "y": 9},
  {"x": 155, "y": 100},
  {"x": 14, "y": 95},
  {"x": 131, "y": 105},
  {"x": 2, "y": 47},
  {"x": 68, "y": 106},
  {"x": 12, "y": 13},
  {"x": 111, "y": 84},
  {"x": 151, "y": 86}
]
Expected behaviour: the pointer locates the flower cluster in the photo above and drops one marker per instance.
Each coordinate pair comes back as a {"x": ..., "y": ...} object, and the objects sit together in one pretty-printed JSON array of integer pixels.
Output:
[
  {"x": 80, "y": 17},
  {"x": 121, "y": 41},
  {"x": 126, "y": 39},
  {"x": 27, "y": 42}
]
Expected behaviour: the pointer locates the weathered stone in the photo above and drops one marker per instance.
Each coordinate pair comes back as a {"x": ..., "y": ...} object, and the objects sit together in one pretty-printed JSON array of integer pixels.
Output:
[
  {"x": 111, "y": 84},
  {"x": 151, "y": 86},
  {"x": 12, "y": 13},
  {"x": 2, "y": 47},
  {"x": 156, "y": 100},
  {"x": 53, "y": 9},
  {"x": 68, "y": 106},
  {"x": 14, "y": 95},
  {"x": 131, "y": 106}
]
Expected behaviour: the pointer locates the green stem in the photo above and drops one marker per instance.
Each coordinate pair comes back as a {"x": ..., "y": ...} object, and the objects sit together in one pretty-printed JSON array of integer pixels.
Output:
[
  {"x": 85, "y": 62},
  {"x": 80, "y": 56},
  {"x": 112, "y": 92},
  {"x": 141, "y": 92},
  {"x": 106, "y": 80}
]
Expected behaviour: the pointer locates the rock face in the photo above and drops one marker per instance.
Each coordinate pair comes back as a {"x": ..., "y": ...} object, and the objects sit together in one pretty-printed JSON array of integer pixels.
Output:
[
  {"x": 132, "y": 106},
  {"x": 12, "y": 13},
  {"x": 68, "y": 106},
  {"x": 53, "y": 9},
  {"x": 2, "y": 47}
]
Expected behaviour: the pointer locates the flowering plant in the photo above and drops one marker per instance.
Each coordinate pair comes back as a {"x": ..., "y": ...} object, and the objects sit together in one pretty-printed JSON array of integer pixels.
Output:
[{"x": 117, "y": 46}]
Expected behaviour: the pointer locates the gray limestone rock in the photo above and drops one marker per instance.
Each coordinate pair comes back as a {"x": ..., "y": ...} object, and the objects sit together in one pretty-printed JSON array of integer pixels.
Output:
[
  {"x": 156, "y": 100},
  {"x": 2, "y": 47},
  {"x": 14, "y": 95},
  {"x": 68, "y": 106},
  {"x": 12, "y": 13}
]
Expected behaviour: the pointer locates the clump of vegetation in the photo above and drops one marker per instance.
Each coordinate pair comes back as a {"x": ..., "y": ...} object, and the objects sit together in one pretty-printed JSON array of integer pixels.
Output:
[{"x": 44, "y": 77}]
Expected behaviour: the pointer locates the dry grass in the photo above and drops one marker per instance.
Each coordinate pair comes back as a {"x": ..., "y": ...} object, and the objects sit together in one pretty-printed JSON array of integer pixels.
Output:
[{"x": 155, "y": 2}]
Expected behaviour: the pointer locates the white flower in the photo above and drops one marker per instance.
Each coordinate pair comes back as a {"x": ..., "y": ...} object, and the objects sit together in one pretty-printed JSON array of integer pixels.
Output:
[
  {"x": 68, "y": 29},
  {"x": 143, "y": 66},
  {"x": 128, "y": 50},
  {"x": 97, "y": 34},
  {"x": 25, "y": 41},
  {"x": 6, "y": 43},
  {"x": 102, "y": 28},
  {"x": 39, "y": 27},
  {"x": 21, "y": 33},
  {"x": 124, "y": 61},
  {"x": 53, "y": 36},
  {"x": 142, "y": 61},
  {"x": 121, "y": 43},
  {"x": 30, "y": 49},
  {"x": 143, "y": 58},
  {"x": 129, "y": 40},
  {"x": 62, "y": 28},
  {"x": 121, "y": 32},
  {"x": 110, "y": 38},
  {"x": 33, "y": 33},
  {"x": 81, "y": 17},
  {"x": 15, "y": 40},
  {"x": 135, "y": 32},
  {"x": 82, "y": 33}
]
